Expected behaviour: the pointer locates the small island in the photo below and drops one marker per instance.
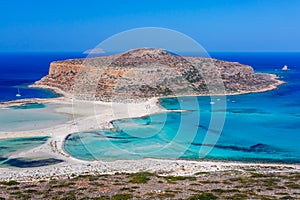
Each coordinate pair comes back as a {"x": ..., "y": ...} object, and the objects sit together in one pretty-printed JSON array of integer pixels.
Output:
[{"x": 140, "y": 74}]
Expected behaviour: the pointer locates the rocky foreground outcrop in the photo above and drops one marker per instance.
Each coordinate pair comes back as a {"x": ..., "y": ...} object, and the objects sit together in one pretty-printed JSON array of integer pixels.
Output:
[{"x": 144, "y": 73}]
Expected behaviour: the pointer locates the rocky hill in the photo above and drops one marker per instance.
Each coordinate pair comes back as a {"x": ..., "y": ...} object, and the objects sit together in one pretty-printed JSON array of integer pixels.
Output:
[{"x": 144, "y": 73}]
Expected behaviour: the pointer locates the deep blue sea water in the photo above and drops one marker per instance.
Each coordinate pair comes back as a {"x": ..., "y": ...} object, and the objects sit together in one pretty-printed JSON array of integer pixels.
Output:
[
  {"x": 258, "y": 127},
  {"x": 22, "y": 69}
]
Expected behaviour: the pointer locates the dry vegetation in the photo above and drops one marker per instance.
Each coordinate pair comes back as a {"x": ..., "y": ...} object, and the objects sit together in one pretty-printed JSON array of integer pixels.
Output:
[{"x": 244, "y": 184}]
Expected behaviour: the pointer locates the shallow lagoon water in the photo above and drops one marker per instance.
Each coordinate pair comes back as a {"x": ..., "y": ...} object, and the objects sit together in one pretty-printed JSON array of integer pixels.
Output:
[
  {"x": 29, "y": 162},
  {"x": 30, "y": 117},
  {"x": 9, "y": 147},
  {"x": 15, "y": 145},
  {"x": 29, "y": 106},
  {"x": 260, "y": 127}
]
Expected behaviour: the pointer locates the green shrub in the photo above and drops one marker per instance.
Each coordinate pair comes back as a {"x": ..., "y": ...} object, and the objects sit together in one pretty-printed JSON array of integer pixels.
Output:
[
  {"x": 239, "y": 196},
  {"x": 203, "y": 196},
  {"x": 9, "y": 183},
  {"x": 292, "y": 185},
  {"x": 141, "y": 177},
  {"x": 257, "y": 175},
  {"x": 70, "y": 196},
  {"x": 165, "y": 195},
  {"x": 287, "y": 197},
  {"x": 121, "y": 196},
  {"x": 201, "y": 173}
]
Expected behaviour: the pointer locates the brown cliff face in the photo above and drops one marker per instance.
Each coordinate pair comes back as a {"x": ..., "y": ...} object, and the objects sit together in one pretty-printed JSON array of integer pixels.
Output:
[
  {"x": 144, "y": 73},
  {"x": 61, "y": 75}
]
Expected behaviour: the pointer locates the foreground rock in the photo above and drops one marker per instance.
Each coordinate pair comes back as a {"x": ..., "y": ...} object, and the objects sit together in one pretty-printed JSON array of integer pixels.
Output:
[{"x": 145, "y": 73}]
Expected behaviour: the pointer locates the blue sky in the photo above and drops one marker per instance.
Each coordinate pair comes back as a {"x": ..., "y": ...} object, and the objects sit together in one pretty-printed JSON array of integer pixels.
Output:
[{"x": 218, "y": 25}]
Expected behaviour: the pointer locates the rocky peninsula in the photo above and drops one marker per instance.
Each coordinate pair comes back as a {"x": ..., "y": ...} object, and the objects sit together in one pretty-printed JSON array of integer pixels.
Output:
[{"x": 145, "y": 73}]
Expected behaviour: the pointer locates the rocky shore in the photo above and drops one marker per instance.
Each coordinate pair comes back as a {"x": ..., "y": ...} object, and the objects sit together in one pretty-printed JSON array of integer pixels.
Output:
[{"x": 159, "y": 166}]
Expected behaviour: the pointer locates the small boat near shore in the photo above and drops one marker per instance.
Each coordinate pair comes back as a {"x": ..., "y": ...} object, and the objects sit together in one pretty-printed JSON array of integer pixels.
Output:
[
  {"x": 18, "y": 94},
  {"x": 284, "y": 68}
]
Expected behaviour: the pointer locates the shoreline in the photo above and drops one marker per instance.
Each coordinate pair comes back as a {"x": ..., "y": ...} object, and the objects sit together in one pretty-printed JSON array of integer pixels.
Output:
[
  {"x": 163, "y": 167},
  {"x": 67, "y": 96},
  {"x": 54, "y": 147}
]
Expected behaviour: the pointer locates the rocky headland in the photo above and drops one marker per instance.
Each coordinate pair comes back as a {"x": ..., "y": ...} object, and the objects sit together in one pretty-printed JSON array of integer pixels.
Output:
[{"x": 145, "y": 73}]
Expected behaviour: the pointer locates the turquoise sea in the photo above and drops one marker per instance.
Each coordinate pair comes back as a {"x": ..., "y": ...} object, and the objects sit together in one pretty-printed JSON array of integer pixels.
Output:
[{"x": 258, "y": 127}]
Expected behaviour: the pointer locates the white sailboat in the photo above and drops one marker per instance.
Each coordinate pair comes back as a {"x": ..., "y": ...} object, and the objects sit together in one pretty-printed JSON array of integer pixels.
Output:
[
  {"x": 284, "y": 68},
  {"x": 18, "y": 94}
]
